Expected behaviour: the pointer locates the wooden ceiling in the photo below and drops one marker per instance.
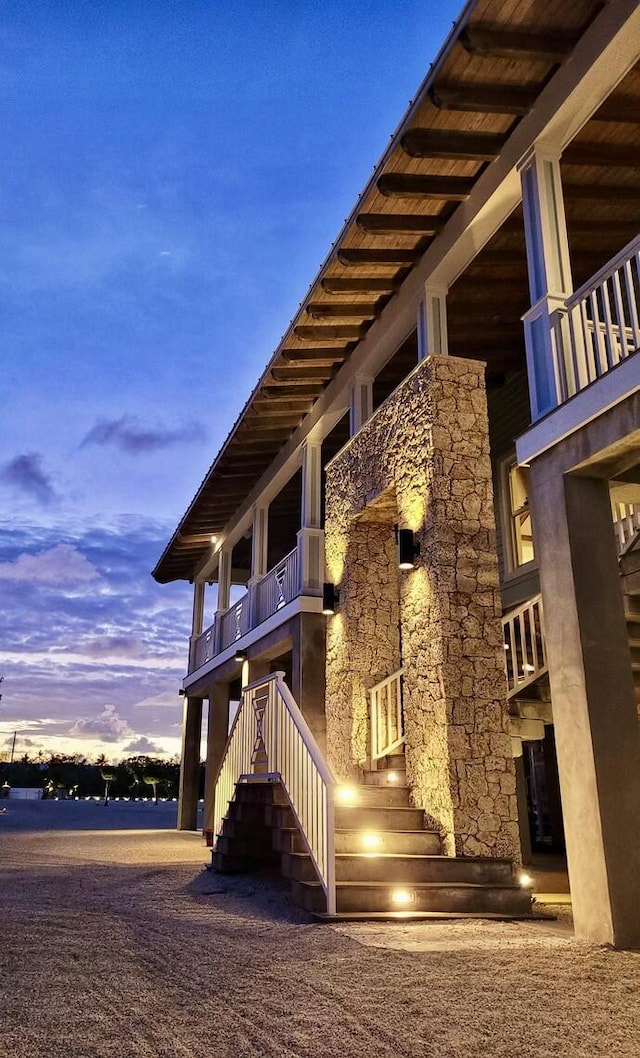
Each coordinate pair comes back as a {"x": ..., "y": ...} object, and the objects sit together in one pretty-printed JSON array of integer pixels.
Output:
[{"x": 490, "y": 76}]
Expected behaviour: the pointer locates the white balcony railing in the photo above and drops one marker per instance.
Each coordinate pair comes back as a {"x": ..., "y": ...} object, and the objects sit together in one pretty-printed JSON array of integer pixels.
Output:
[
  {"x": 234, "y": 622},
  {"x": 270, "y": 737},
  {"x": 524, "y": 650},
  {"x": 387, "y": 722},
  {"x": 571, "y": 344},
  {"x": 626, "y": 522},
  {"x": 277, "y": 588}
]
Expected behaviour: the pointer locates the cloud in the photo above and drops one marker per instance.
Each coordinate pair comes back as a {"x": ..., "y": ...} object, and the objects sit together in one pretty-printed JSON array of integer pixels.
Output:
[
  {"x": 26, "y": 474},
  {"x": 108, "y": 727},
  {"x": 127, "y": 435},
  {"x": 144, "y": 745},
  {"x": 62, "y": 565},
  {"x": 112, "y": 646}
]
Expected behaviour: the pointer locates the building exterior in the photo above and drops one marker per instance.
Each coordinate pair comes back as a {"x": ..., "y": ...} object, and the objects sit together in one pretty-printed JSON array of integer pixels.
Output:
[{"x": 459, "y": 390}]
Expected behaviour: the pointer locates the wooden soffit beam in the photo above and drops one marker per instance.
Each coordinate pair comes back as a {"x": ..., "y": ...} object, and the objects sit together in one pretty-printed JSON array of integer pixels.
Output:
[
  {"x": 400, "y": 223},
  {"x": 545, "y": 45},
  {"x": 485, "y": 98},
  {"x": 328, "y": 310},
  {"x": 463, "y": 146},
  {"x": 370, "y": 255},
  {"x": 339, "y": 330},
  {"x": 415, "y": 185},
  {"x": 359, "y": 285}
]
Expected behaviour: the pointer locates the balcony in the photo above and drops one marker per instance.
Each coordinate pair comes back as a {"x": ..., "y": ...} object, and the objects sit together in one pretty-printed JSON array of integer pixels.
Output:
[
  {"x": 581, "y": 351},
  {"x": 264, "y": 599}
]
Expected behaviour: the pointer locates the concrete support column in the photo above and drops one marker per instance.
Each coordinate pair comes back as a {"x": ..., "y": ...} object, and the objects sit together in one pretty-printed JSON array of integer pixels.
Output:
[
  {"x": 433, "y": 335},
  {"x": 308, "y": 673},
  {"x": 550, "y": 283},
  {"x": 361, "y": 406},
  {"x": 217, "y": 732},
  {"x": 595, "y": 718},
  {"x": 190, "y": 765}
]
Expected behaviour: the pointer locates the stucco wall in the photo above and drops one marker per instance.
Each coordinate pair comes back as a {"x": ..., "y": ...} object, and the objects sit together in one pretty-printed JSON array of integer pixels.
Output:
[{"x": 423, "y": 461}]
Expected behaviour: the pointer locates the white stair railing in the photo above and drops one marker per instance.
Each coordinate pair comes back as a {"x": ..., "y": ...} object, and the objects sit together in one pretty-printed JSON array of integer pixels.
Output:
[
  {"x": 524, "y": 650},
  {"x": 271, "y": 738},
  {"x": 387, "y": 721}
]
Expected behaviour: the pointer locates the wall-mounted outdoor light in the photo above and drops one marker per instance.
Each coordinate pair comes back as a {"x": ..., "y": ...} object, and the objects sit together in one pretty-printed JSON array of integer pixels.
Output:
[
  {"x": 330, "y": 598},
  {"x": 182, "y": 692},
  {"x": 240, "y": 655},
  {"x": 408, "y": 548}
]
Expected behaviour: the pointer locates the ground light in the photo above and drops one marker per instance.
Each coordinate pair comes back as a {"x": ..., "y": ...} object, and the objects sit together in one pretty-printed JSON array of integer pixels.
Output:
[
  {"x": 402, "y": 897},
  {"x": 346, "y": 795},
  {"x": 525, "y": 880},
  {"x": 371, "y": 841},
  {"x": 392, "y": 777}
]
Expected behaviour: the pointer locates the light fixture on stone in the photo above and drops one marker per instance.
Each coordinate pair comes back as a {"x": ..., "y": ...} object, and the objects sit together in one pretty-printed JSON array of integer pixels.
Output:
[
  {"x": 408, "y": 548},
  {"x": 330, "y": 598},
  {"x": 240, "y": 655}
]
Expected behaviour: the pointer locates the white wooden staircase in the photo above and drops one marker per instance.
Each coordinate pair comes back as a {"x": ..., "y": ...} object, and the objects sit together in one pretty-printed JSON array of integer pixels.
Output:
[{"x": 357, "y": 851}]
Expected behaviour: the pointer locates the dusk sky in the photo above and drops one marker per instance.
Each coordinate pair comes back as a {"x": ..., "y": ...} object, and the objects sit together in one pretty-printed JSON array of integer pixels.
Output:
[{"x": 173, "y": 175}]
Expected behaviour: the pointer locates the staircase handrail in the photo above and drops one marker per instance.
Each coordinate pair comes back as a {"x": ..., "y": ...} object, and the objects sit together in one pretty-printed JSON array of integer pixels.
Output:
[
  {"x": 291, "y": 755},
  {"x": 524, "y": 647}
]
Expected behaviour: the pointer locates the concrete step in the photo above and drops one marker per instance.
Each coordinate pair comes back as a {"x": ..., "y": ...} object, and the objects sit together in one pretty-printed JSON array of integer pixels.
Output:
[
  {"x": 241, "y": 830},
  {"x": 279, "y": 816},
  {"x": 397, "y": 842},
  {"x": 448, "y": 898},
  {"x": 403, "y": 870},
  {"x": 259, "y": 847},
  {"x": 366, "y": 817},
  {"x": 376, "y": 796},
  {"x": 249, "y": 812},
  {"x": 386, "y": 777},
  {"x": 260, "y": 793}
]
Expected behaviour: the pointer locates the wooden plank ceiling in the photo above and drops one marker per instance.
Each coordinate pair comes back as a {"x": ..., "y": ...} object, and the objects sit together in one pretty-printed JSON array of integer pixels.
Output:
[{"x": 488, "y": 79}]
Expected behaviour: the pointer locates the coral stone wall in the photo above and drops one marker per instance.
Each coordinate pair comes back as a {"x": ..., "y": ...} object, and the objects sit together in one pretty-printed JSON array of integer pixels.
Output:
[{"x": 423, "y": 461}]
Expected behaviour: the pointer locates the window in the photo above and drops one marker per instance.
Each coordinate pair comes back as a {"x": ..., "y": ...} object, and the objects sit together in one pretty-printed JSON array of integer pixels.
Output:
[{"x": 521, "y": 536}]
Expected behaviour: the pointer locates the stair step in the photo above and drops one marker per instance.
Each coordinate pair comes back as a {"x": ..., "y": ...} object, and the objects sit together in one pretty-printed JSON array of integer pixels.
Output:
[
  {"x": 260, "y": 793},
  {"x": 431, "y": 916},
  {"x": 366, "y": 817},
  {"x": 381, "y": 778},
  {"x": 437, "y": 897},
  {"x": 374, "y": 796},
  {"x": 396, "y": 842},
  {"x": 258, "y": 847},
  {"x": 403, "y": 870}
]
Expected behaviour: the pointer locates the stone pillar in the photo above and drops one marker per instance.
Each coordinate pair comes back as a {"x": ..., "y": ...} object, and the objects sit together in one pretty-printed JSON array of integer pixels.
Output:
[
  {"x": 423, "y": 461},
  {"x": 190, "y": 765},
  {"x": 433, "y": 334},
  {"x": 361, "y": 406},
  {"x": 308, "y": 672},
  {"x": 217, "y": 733},
  {"x": 595, "y": 718}
]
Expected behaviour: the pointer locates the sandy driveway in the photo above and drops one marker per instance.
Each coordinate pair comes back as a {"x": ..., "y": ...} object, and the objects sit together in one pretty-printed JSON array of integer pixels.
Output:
[{"x": 115, "y": 942}]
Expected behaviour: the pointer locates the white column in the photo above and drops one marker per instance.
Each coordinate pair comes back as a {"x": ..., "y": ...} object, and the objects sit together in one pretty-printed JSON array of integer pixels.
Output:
[
  {"x": 549, "y": 267},
  {"x": 433, "y": 335},
  {"x": 224, "y": 591},
  {"x": 259, "y": 542},
  {"x": 310, "y": 539},
  {"x": 197, "y": 619},
  {"x": 361, "y": 406}
]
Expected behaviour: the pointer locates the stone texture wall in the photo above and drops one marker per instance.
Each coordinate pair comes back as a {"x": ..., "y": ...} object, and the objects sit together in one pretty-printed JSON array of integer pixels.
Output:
[{"x": 423, "y": 461}]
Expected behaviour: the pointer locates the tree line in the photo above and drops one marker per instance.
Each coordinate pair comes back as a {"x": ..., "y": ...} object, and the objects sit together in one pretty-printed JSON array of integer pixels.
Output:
[{"x": 73, "y": 775}]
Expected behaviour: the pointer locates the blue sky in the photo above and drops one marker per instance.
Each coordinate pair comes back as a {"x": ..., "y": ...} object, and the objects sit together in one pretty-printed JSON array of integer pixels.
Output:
[{"x": 173, "y": 175}]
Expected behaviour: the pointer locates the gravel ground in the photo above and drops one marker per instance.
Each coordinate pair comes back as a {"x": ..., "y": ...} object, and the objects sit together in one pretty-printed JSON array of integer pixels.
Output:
[{"x": 116, "y": 943}]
